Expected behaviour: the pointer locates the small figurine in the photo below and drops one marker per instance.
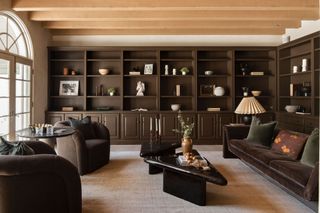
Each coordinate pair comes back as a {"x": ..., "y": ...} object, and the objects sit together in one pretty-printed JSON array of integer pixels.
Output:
[
  {"x": 140, "y": 88},
  {"x": 166, "y": 70}
]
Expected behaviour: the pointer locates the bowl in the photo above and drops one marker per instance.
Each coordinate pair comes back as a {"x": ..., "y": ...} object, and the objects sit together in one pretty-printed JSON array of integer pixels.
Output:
[
  {"x": 175, "y": 107},
  {"x": 256, "y": 92},
  {"x": 208, "y": 72},
  {"x": 103, "y": 71},
  {"x": 291, "y": 108}
]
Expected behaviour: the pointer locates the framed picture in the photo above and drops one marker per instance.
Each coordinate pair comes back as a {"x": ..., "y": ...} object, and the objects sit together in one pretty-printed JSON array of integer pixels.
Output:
[
  {"x": 206, "y": 90},
  {"x": 69, "y": 88},
  {"x": 148, "y": 69}
]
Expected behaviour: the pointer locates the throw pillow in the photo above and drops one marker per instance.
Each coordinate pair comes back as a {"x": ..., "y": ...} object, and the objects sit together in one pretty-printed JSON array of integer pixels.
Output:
[
  {"x": 14, "y": 148},
  {"x": 289, "y": 143},
  {"x": 310, "y": 155},
  {"x": 84, "y": 126},
  {"x": 259, "y": 133}
]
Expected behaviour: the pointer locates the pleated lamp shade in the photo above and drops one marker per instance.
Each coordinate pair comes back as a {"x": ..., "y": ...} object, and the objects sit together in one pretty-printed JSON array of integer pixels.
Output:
[{"x": 249, "y": 106}]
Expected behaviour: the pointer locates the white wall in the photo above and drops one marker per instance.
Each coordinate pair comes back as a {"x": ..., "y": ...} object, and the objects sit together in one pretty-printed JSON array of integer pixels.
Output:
[
  {"x": 40, "y": 38},
  {"x": 307, "y": 27}
]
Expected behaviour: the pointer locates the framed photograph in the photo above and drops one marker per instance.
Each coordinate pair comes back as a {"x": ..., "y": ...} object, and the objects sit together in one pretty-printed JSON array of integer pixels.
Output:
[
  {"x": 206, "y": 90},
  {"x": 69, "y": 88},
  {"x": 148, "y": 69}
]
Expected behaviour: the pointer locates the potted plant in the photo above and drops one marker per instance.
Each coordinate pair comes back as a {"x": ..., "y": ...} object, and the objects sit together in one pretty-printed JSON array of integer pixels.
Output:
[
  {"x": 184, "y": 70},
  {"x": 186, "y": 128},
  {"x": 111, "y": 91}
]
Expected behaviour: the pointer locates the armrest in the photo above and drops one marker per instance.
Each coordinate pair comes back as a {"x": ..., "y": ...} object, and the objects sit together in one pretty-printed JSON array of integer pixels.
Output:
[
  {"x": 232, "y": 132},
  {"x": 56, "y": 166},
  {"x": 101, "y": 131},
  {"x": 40, "y": 147},
  {"x": 311, "y": 191}
]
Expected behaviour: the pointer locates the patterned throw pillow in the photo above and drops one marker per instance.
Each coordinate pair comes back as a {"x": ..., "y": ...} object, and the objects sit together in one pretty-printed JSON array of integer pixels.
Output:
[
  {"x": 289, "y": 143},
  {"x": 14, "y": 148}
]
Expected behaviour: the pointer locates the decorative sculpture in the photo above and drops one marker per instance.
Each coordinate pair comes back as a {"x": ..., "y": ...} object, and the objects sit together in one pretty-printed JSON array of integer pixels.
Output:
[{"x": 140, "y": 88}]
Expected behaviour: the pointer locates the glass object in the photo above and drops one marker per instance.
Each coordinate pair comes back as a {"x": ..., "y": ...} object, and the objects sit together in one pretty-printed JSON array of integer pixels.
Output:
[{"x": 50, "y": 130}]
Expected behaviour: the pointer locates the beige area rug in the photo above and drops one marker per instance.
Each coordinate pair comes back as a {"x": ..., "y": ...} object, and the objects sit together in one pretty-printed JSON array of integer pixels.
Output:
[{"x": 124, "y": 185}]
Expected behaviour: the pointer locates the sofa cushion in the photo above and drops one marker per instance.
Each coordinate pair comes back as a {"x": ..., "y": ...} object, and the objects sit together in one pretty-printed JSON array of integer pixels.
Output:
[
  {"x": 84, "y": 126},
  {"x": 244, "y": 145},
  {"x": 289, "y": 143},
  {"x": 14, "y": 148},
  {"x": 261, "y": 133},
  {"x": 293, "y": 169},
  {"x": 310, "y": 155},
  {"x": 266, "y": 156}
]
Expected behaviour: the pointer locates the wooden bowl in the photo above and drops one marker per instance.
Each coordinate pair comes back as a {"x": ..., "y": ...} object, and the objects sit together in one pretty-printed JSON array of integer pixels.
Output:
[
  {"x": 256, "y": 92},
  {"x": 104, "y": 71}
]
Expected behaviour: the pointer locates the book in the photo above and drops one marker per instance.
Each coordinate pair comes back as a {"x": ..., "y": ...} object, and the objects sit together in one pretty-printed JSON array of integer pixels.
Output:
[
  {"x": 67, "y": 109},
  {"x": 213, "y": 109},
  {"x": 134, "y": 73},
  {"x": 303, "y": 113},
  {"x": 256, "y": 73},
  {"x": 182, "y": 160}
]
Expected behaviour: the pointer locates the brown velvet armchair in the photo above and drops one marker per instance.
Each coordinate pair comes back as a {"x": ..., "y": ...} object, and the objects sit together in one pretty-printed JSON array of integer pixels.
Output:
[
  {"x": 86, "y": 154},
  {"x": 39, "y": 183}
]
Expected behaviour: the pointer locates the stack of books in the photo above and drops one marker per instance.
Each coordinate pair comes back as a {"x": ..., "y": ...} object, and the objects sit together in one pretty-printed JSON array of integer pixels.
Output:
[{"x": 257, "y": 73}]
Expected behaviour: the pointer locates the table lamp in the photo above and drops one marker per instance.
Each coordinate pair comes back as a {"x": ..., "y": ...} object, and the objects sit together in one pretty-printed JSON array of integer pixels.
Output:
[{"x": 249, "y": 106}]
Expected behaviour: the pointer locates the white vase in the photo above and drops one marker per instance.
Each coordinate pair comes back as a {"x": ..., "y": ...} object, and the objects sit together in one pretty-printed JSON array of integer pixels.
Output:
[
  {"x": 219, "y": 91},
  {"x": 184, "y": 73},
  {"x": 111, "y": 93}
]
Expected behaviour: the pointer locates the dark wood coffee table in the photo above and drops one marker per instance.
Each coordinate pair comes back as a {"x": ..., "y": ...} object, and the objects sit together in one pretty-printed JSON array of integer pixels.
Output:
[
  {"x": 186, "y": 182},
  {"x": 149, "y": 149}
]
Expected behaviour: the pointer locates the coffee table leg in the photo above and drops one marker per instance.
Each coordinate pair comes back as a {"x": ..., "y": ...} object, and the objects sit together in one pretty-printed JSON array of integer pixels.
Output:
[{"x": 184, "y": 186}]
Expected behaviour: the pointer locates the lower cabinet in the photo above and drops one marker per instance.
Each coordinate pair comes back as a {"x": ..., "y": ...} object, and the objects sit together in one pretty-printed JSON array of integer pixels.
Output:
[
  {"x": 297, "y": 123},
  {"x": 130, "y": 126},
  {"x": 112, "y": 122},
  {"x": 53, "y": 117}
]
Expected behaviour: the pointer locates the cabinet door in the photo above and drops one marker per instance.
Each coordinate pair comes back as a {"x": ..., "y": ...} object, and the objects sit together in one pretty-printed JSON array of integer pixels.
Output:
[
  {"x": 111, "y": 121},
  {"x": 77, "y": 116},
  {"x": 52, "y": 118},
  {"x": 223, "y": 119},
  {"x": 145, "y": 125},
  {"x": 94, "y": 117},
  {"x": 130, "y": 126},
  {"x": 206, "y": 126},
  {"x": 168, "y": 123},
  {"x": 310, "y": 124}
]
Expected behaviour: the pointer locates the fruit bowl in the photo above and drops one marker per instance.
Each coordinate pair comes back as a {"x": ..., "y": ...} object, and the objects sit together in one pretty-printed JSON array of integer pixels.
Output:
[
  {"x": 208, "y": 72},
  {"x": 291, "y": 108},
  {"x": 104, "y": 71},
  {"x": 256, "y": 92},
  {"x": 175, "y": 107}
]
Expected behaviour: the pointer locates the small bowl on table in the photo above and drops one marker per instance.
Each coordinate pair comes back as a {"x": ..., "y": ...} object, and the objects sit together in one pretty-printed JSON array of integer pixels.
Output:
[
  {"x": 291, "y": 108},
  {"x": 256, "y": 92}
]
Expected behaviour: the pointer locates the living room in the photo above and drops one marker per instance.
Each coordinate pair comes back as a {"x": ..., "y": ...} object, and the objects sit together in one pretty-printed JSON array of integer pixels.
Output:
[{"x": 138, "y": 106}]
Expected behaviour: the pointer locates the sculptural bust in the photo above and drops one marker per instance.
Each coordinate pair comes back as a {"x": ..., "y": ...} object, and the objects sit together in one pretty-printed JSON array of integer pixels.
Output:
[{"x": 140, "y": 88}]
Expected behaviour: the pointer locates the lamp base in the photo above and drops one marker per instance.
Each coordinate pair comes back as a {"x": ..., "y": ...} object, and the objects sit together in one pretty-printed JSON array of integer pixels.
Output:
[{"x": 247, "y": 119}]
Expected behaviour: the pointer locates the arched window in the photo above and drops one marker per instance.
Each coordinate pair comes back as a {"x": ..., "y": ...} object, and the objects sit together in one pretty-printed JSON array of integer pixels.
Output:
[{"x": 16, "y": 54}]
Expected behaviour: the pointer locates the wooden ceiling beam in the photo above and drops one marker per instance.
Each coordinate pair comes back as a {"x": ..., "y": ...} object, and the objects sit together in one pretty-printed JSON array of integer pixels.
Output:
[
  {"x": 169, "y": 15},
  {"x": 226, "y": 31},
  {"x": 54, "y": 5},
  {"x": 167, "y": 24}
]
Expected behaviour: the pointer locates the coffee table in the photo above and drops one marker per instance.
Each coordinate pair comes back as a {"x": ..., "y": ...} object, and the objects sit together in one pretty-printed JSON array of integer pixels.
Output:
[
  {"x": 186, "y": 182},
  {"x": 149, "y": 149}
]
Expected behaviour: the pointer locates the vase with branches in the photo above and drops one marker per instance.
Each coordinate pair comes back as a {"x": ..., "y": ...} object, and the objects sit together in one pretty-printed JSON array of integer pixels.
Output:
[{"x": 186, "y": 128}]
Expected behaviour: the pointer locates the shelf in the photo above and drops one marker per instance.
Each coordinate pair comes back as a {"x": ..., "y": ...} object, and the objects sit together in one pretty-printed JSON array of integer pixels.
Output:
[
  {"x": 260, "y": 96},
  {"x": 176, "y": 76},
  {"x": 213, "y": 59},
  {"x": 293, "y": 74},
  {"x": 317, "y": 49},
  {"x": 67, "y": 76},
  {"x": 317, "y": 70},
  {"x": 295, "y": 97},
  {"x": 254, "y": 59},
  {"x": 66, "y": 96},
  {"x": 142, "y": 97},
  {"x": 254, "y": 76},
  {"x": 140, "y": 59},
  {"x": 295, "y": 55},
  {"x": 171, "y": 96},
  {"x": 209, "y": 96},
  {"x": 137, "y": 76},
  {"x": 67, "y": 60},
  {"x": 103, "y": 96},
  {"x": 176, "y": 59},
  {"x": 212, "y": 76},
  {"x": 105, "y": 60},
  {"x": 103, "y": 76}
]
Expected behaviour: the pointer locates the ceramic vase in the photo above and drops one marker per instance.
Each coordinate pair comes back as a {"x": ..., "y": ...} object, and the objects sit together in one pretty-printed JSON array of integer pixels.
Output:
[{"x": 186, "y": 145}]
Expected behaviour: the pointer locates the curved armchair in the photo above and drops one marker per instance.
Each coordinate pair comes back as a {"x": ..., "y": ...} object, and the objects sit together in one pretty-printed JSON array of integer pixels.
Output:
[
  {"x": 86, "y": 154},
  {"x": 38, "y": 183}
]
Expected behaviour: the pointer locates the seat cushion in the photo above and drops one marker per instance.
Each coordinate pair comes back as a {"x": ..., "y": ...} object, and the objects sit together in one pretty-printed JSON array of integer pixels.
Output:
[
  {"x": 310, "y": 155},
  {"x": 261, "y": 134},
  {"x": 289, "y": 143},
  {"x": 293, "y": 169},
  {"x": 266, "y": 156},
  {"x": 84, "y": 126}
]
